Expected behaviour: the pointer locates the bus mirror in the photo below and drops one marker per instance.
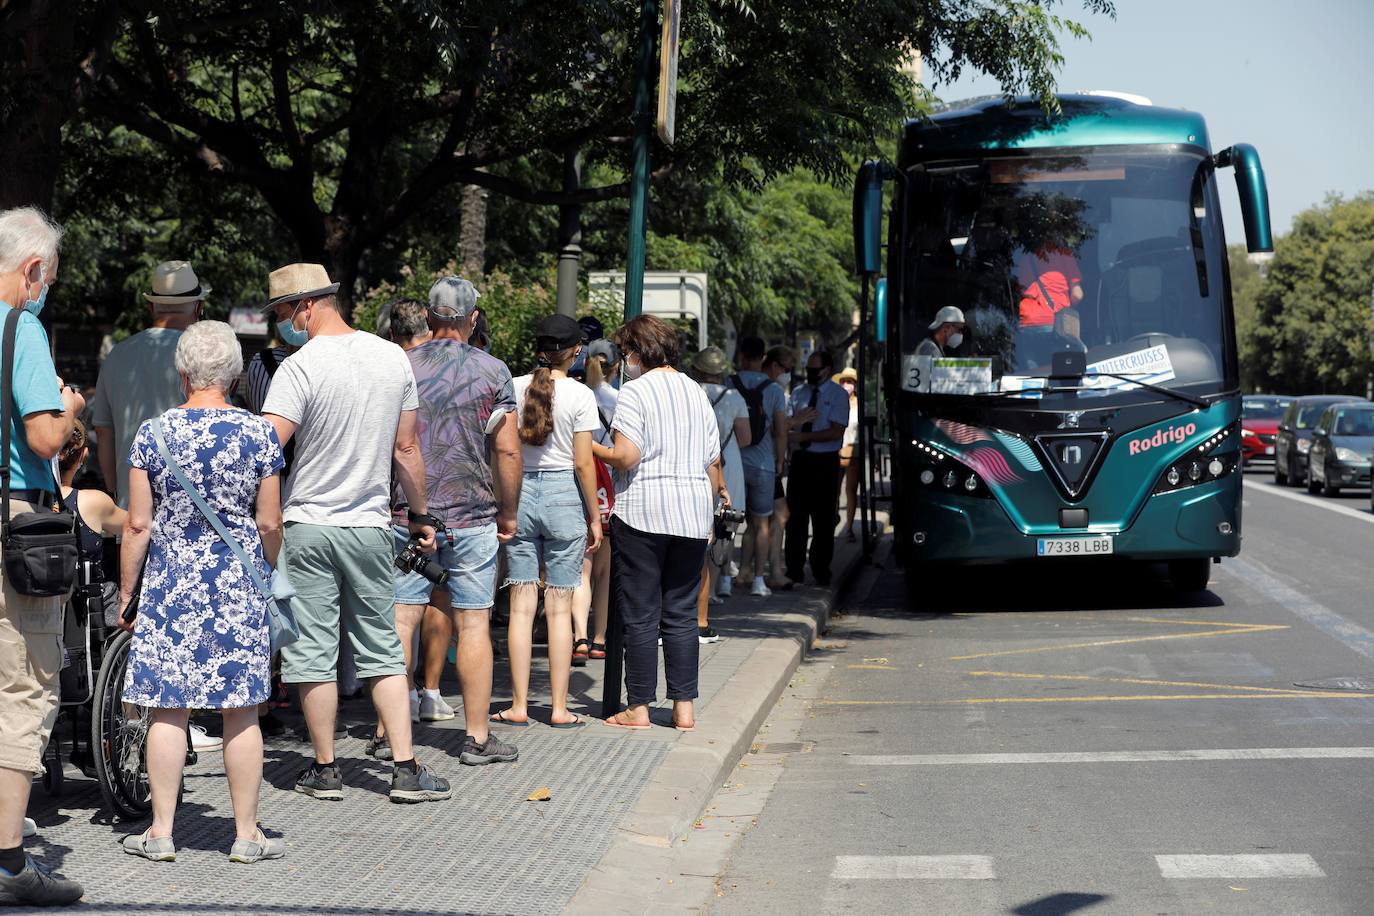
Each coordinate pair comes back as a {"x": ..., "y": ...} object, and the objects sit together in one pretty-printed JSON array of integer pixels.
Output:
[
  {"x": 880, "y": 309},
  {"x": 868, "y": 218},
  {"x": 1254, "y": 194}
]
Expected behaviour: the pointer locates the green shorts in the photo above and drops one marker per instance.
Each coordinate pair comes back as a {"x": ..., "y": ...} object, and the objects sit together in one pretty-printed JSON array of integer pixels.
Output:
[{"x": 344, "y": 581}]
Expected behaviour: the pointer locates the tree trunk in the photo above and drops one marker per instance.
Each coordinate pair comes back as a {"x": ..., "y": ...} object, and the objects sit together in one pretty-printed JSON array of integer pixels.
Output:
[
  {"x": 37, "y": 96},
  {"x": 472, "y": 231}
]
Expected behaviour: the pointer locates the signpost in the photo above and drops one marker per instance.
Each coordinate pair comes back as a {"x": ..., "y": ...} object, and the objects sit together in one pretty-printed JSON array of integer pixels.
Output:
[{"x": 667, "y": 70}]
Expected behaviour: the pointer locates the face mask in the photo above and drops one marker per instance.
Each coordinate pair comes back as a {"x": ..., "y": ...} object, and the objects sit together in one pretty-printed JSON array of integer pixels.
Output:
[
  {"x": 34, "y": 306},
  {"x": 848, "y": 387},
  {"x": 289, "y": 335},
  {"x": 814, "y": 376},
  {"x": 633, "y": 371},
  {"x": 954, "y": 340}
]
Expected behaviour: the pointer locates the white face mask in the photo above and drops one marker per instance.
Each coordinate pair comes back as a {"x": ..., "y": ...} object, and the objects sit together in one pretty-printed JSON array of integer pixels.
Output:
[
  {"x": 954, "y": 340},
  {"x": 633, "y": 371}
]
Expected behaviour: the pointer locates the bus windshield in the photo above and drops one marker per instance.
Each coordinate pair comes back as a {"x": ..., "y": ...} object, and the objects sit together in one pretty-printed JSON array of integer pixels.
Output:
[{"x": 1112, "y": 253}]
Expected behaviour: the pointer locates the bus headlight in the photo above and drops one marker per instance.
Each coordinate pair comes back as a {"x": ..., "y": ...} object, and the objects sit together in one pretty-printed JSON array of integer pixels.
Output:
[
  {"x": 937, "y": 465},
  {"x": 1201, "y": 466},
  {"x": 972, "y": 483},
  {"x": 951, "y": 479},
  {"x": 927, "y": 477}
]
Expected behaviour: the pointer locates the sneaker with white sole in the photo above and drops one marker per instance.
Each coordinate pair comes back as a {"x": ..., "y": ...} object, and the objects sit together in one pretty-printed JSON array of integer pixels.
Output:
[
  {"x": 434, "y": 709},
  {"x": 725, "y": 586},
  {"x": 258, "y": 849},
  {"x": 760, "y": 588},
  {"x": 707, "y": 635},
  {"x": 202, "y": 741},
  {"x": 30, "y": 827}
]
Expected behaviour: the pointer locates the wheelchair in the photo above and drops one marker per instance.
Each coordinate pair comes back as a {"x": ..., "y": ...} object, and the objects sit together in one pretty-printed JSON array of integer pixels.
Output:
[{"x": 97, "y": 731}]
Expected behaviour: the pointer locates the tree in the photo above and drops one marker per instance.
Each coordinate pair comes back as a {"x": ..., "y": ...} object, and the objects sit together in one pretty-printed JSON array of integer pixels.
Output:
[
  {"x": 1313, "y": 329},
  {"x": 350, "y": 120}
]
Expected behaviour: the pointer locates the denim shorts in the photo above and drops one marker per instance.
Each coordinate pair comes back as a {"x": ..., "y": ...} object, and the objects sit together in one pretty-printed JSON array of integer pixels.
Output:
[
  {"x": 758, "y": 490},
  {"x": 552, "y": 526},
  {"x": 469, "y": 555}
]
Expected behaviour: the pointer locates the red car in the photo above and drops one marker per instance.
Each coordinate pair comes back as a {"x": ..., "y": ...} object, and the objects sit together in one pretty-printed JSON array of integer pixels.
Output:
[{"x": 1259, "y": 422}]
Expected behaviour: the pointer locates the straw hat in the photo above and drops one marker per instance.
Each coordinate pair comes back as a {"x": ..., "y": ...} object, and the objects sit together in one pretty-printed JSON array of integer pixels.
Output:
[
  {"x": 298, "y": 281},
  {"x": 845, "y": 375},
  {"x": 175, "y": 283},
  {"x": 711, "y": 361}
]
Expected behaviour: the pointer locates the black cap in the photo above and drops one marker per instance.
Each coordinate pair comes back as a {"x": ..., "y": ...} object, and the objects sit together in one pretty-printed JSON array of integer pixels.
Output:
[
  {"x": 556, "y": 332},
  {"x": 591, "y": 328}
]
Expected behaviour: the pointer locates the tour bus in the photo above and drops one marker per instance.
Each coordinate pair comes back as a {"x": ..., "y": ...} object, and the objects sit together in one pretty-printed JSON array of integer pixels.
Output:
[{"x": 1060, "y": 353}]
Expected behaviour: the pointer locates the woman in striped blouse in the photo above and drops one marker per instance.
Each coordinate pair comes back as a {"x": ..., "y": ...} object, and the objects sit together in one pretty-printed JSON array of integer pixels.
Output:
[{"x": 666, "y": 459}]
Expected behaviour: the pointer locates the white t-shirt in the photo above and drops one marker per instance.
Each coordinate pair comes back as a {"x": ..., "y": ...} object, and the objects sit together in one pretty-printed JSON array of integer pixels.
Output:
[
  {"x": 574, "y": 411},
  {"x": 606, "y": 398},
  {"x": 345, "y": 393},
  {"x": 729, "y": 406},
  {"x": 138, "y": 381}
]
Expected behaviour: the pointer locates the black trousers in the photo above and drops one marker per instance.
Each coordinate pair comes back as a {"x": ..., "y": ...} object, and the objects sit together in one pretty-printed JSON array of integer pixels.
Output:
[
  {"x": 811, "y": 484},
  {"x": 656, "y": 577}
]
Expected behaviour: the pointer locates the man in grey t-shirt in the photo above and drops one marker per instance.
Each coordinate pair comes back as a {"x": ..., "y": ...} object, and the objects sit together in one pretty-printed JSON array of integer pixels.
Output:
[{"x": 349, "y": 397}]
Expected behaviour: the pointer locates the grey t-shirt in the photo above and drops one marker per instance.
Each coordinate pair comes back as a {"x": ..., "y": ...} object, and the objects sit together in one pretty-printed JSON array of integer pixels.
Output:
[
  {"x": 759, "y": 455},
  {"x": 138, "y": 381},
  {"x": 345, "y": 393}
]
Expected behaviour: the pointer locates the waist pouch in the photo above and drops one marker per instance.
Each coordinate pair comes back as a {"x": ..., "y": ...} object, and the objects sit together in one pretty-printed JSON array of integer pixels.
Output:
[{"x": 40, "y": 553}]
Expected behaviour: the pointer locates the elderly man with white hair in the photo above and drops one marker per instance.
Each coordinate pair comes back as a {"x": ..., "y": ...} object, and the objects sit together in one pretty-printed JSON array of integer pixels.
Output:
[
  {"x": 201, "y": 634},
  {"x": 30, "y": 627}
]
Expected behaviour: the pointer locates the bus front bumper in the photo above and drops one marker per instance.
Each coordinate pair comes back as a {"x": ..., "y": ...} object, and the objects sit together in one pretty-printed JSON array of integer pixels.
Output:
[{"x": 1201, "y": 521}]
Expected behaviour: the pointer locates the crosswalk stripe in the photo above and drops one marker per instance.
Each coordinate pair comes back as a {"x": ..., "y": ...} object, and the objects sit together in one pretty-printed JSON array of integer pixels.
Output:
[
  {"x": 1244, "y": 753},
  {"x": 923, "y": 868},
  {"x": 1274, "y": 865}
]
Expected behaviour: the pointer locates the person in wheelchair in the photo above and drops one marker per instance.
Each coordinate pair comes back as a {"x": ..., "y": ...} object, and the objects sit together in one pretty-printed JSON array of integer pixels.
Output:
[{"x": 97, "y": 514}]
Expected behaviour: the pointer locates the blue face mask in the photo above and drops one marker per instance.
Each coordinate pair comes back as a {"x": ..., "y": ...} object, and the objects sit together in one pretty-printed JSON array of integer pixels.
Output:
[
  {"x": 34, "y": 306},
  {"x": 289, "y": 335}
]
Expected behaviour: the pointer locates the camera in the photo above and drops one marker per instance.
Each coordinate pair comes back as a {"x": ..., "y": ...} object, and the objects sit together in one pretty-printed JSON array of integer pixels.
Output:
[
  {"x": 727, "y": 522},
  {"x": 413, "y": 559}
]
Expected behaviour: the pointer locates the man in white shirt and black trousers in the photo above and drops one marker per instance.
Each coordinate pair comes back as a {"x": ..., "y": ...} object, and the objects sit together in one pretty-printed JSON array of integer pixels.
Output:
[{"x": 820, "y": 408}]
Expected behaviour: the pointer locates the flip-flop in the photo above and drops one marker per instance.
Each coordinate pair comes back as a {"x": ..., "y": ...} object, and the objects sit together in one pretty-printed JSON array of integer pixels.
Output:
[
  {"x": 577, "y": 723},
  {"x": 500, "y": 719},
  {"x": 622, "y": 725},
  {"x": 685, "y": 728}
]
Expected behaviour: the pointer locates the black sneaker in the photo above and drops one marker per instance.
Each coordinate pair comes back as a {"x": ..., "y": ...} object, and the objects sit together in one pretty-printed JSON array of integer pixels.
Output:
[
  {"x": 493, "y": 750},
  {"x": 36, "y": 886},
  {"x": 420, "y": 785},
  {"x": 324, "y": 783},
  {"x": 378, "y": 747},
  {"x": 707, "y": 635}
]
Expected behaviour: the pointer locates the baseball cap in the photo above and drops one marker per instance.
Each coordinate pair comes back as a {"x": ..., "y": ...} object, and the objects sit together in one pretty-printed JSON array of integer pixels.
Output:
[
  {"x": 948, "y": 315},
  {"x": 591, "y": 328},
  {"x": 451, "y": 298},
  {"x": 556, "y": 332},
  {"x": 607, "y": 348}
]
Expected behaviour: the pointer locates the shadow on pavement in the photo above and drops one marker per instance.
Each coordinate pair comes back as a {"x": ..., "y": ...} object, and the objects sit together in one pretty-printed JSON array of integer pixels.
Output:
[{"x": 1061, "y": 904}]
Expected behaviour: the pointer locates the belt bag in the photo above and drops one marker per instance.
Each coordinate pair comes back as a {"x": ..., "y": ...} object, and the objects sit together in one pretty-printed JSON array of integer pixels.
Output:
[{"x": 39, "y": 548}]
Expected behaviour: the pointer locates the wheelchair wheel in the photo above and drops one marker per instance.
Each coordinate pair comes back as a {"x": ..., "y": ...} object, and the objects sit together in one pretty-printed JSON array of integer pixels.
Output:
[{"x": 119, "y": 736}]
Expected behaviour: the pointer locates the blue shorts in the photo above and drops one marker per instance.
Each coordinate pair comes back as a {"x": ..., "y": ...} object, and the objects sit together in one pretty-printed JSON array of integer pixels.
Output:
[
  {"x": 758, "y": 490},
  {"x": 552, "y": 526},
  {"x": 470, "y": 558}
]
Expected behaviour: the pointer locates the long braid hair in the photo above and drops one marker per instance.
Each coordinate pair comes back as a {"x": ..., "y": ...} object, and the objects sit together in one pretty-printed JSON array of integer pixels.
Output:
[{"x": 536, "y": 417}]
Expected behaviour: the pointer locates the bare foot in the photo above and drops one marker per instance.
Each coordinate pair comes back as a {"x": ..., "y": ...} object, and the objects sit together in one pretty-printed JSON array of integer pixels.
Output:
[{"x": 626, "y": 719}]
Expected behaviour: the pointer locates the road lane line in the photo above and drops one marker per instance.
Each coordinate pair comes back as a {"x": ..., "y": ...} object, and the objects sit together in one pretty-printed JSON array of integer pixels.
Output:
[
  {"x": 1272, "y": 865},
  {"x": 1313, "y": 501},
  {"x": 1232, "y": 630},
  {"x": 1245, "y": 753},
  {"x": 1261, "y": 579},
  {"x": 1296, "y": 694},
  {"x": 921, "y": 868},
  {"x": 1287, "y": 691}
]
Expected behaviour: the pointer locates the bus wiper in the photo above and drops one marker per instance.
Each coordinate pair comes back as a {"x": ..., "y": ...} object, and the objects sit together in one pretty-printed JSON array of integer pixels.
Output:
[
  {"x": 1195, "y": 234},
  {"x": 1150, "y": 386}
]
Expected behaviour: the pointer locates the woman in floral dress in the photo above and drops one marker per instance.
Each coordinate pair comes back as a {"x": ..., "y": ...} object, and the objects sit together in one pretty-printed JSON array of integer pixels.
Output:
[{"x": 200, "y": 638}]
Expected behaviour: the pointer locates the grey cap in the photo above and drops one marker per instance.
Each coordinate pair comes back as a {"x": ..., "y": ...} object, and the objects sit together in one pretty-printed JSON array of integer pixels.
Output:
[
  {"x": 606, "y": 348},
  {"x": 948, "y": 315},
  {"x": 451, "y": 298}
]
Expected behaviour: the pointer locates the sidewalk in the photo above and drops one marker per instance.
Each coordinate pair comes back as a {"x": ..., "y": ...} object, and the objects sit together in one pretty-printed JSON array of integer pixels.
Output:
[{"x": 488, "y": 849}]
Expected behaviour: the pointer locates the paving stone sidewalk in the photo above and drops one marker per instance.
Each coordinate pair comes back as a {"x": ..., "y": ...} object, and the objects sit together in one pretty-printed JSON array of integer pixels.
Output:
[{"x": 487, "y": 850}]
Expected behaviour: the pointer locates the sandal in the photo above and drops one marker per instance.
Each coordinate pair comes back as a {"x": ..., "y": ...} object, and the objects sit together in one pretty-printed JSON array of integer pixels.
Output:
[
  {"x": 577, "y": 722},
  {"x": 598, "y": 650},
  {"x": 154, "y": 849},
  {"x": 500, "y": 719},
  {"x": 580, "y": 655}
]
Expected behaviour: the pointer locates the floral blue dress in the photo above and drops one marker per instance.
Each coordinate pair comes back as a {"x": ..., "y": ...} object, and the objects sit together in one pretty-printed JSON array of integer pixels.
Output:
[{"x": 201, "y": 640}]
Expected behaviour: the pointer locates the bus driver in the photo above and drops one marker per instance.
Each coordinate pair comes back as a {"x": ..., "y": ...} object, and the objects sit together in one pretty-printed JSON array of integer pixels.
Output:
[{"x": 946, "y": 333}]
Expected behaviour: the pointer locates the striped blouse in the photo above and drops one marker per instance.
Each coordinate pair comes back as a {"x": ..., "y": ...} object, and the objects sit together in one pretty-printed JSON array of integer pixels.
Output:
[{"x": 668, "y": 416}]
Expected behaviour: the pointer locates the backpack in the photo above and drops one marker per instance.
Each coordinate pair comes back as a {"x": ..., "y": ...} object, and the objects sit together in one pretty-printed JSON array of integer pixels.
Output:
[{"x": 753, "y": 397}]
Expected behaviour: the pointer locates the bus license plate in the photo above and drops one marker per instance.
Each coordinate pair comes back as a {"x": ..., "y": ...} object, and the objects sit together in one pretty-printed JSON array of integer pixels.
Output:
[{"x": 1074, "y": 547}]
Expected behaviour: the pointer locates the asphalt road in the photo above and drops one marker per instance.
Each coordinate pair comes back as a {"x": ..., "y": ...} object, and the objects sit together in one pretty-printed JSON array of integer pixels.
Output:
[{"x": 1080, "y": 740}]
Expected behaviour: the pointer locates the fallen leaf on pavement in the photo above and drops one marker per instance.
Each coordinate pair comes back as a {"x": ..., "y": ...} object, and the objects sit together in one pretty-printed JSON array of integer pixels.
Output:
[{"x": 541, "y": 794}]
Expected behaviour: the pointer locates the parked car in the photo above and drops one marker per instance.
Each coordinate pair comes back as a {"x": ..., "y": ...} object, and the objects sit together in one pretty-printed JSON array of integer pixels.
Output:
[
  {"x": 1341, "y": 443},
  {"x": 1295, "y": 435},
  {"x": 1260, "y": 415}
]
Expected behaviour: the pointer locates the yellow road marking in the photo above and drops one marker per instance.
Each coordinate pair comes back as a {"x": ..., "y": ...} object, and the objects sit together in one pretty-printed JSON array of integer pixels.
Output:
[
  {"x": 1151, "y": 682},
  {"x": 1231, "y": 630},
  {"x": 1308, "y": 695},
  {"x": 1202, "y": 623},
  {"x": 873, "y": 667}
]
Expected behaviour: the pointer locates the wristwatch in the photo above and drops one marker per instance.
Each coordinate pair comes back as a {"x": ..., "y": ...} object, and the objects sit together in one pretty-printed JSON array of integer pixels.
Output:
[{"x": 423, "y": 518}]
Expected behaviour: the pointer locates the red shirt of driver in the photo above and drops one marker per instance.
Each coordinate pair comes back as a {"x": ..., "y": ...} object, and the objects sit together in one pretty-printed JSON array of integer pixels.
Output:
[{"x": 1047, "y": 281}]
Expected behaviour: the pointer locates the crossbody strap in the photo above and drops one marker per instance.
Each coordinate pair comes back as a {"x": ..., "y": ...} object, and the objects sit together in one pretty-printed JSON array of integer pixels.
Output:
[
  {"x": 210, "y": 514},
  {"x": 724, "y": 443},
  {"x": 11, "y": 329}
]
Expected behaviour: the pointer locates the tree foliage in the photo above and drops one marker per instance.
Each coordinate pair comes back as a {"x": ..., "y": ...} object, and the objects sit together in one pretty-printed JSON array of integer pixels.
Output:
[{"x": 1311, "y": 330}]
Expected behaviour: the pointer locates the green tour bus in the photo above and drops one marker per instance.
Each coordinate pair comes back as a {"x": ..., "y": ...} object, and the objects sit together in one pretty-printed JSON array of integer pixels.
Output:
[{"x": 1060, "y": 368}]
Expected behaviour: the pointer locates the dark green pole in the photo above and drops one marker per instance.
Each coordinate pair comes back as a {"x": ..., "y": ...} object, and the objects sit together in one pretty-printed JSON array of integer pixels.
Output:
[{"x": 639, "y": 174}]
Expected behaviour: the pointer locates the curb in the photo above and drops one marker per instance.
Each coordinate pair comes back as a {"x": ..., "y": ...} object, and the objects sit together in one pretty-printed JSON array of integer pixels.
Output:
[{"x": 699, "y": 762}]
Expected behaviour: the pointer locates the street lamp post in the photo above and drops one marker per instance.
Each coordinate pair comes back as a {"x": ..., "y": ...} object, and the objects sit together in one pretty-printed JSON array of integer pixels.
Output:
[{"x": 639, "y": 171}]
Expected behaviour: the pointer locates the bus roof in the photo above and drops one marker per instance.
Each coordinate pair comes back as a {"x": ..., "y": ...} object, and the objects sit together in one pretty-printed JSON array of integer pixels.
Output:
[{"x": 1088, "y": 120}]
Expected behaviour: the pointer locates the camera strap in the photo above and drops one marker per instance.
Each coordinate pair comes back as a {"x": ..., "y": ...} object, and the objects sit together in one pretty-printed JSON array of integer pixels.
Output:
[{"x": 210, "y": 514}]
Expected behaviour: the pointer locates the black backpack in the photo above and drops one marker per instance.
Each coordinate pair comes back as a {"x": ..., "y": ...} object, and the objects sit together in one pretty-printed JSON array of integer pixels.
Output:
[{"x": 753, "y": 397}]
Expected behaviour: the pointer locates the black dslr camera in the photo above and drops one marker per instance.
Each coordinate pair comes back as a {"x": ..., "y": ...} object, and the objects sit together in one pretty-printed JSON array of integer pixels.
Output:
[
  {"x": 413, "y": 559},
  {"x": 727, "y": 522}
]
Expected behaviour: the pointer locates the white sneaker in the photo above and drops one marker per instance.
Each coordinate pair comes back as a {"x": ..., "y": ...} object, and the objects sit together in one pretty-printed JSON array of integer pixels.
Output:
[
  {"x": 434, "y": 709},
  {"x": 725, "y": 586},
  {"x": 415, "y": 707},
  {"x": 30, "y": 828},
  {"x": 716, "y": 599},
  {"x": 202, "y": 741},
  {"x": 732, "y": 570},
  {"x": 760, "y": 588}
]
